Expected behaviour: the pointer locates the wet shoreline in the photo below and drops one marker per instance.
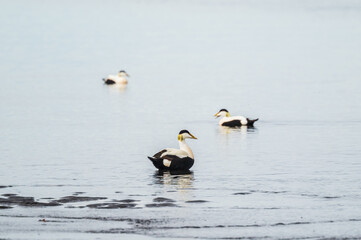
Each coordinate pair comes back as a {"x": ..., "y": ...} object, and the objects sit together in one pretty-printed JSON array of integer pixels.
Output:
[
  {"x": 153, "y": 219},
  {"x": 164, "y": 227}
]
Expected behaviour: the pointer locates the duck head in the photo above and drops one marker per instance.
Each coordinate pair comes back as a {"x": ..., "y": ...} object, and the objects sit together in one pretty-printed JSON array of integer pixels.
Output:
[
  {"x": 185, "y": 134},
  {"x": 222, "y": 113},
  {"x": 122, "y": 73}
]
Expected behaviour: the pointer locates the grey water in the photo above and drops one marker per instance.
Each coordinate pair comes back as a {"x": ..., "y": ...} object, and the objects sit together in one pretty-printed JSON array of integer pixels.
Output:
[{"x": 74, "y": 151}]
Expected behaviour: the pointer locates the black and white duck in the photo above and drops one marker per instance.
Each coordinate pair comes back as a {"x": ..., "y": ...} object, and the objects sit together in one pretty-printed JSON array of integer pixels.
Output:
[
  {"x": 236, "y": 121},
  {"x": 120, "y": 78},
  {"x": 174, "y": 159}
]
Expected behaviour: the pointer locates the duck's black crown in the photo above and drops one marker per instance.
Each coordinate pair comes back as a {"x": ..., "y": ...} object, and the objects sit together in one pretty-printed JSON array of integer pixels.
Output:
[
  {"x": 183, "y": 131},
  {"x": 225, "y": 110}
]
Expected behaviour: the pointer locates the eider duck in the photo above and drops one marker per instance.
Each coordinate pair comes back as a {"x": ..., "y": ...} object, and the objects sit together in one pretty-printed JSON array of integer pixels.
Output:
[
  {"x": 172, "y": 159},
  {"x": 120, "y": 78},
  {"x": 237, "y": 121}
]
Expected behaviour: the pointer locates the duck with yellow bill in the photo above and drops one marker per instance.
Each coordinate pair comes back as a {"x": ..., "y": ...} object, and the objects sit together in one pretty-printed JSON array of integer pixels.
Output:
[
  {"x": 237, "y": 121},
  {"x": 173, "y": 159},
  {"x": 120, "y": 78}
]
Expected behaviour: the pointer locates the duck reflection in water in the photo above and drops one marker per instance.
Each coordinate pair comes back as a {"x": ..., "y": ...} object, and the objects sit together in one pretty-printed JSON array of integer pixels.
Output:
[
  {"x": 242, "y": 130},
  {"x": 117, "y": 88},
  {"x": 178, "y": 179},
  {"x": 239, "y": 133}
]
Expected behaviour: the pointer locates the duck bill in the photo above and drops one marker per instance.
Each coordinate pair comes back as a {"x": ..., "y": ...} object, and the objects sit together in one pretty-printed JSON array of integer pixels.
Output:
[
  {"x": 193, "y": 136},
  {"x": 216, "y": 115}
]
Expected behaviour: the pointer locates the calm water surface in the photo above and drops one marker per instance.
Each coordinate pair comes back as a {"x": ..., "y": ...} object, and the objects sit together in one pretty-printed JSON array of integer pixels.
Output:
[{"x": 294, "y": 64}]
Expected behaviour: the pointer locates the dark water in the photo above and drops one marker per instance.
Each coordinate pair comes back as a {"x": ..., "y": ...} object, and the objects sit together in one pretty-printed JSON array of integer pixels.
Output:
[{"x": 294, "y": 64}]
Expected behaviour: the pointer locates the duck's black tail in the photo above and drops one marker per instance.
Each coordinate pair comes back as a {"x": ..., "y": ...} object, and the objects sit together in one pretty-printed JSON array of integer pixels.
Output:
[
  {"x": 157, "y": 162},
  {"x": 251, "y": 122},
  {"x": 108, "y": 81}
]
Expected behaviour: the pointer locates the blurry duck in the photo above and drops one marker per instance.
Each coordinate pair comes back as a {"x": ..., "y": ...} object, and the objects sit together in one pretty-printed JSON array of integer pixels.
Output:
[
  {"x": 235, "y": 121},
  {"x": 120, "y": 78},
  {"x": 173, "y": 159}
]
